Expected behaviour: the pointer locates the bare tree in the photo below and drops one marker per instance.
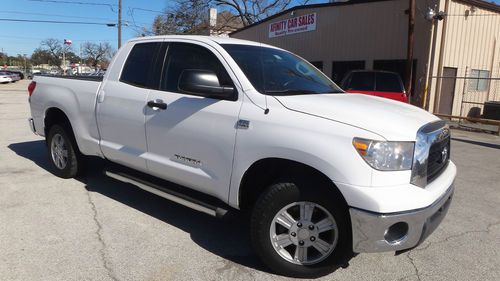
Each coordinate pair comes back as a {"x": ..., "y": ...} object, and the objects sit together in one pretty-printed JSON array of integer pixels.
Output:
[
  {"x": 191, "y": 16},
  {"x": 54, "y": 49},
  {"x": 183, "y": 17},
  {"x": 251, "y": 11},
  {"x": 97, "y": 54}
]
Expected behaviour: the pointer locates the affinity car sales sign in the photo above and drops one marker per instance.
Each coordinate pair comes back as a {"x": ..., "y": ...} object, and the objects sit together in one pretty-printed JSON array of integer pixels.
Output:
[{"x": 294, "y": 25}]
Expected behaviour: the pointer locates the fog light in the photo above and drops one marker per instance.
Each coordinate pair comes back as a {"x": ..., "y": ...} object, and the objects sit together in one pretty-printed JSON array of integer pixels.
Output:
[{"x": 396, "y": 232}]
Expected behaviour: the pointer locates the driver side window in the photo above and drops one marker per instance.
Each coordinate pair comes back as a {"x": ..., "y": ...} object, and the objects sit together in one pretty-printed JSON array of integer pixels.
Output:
[{"x": 182, "y": 56}]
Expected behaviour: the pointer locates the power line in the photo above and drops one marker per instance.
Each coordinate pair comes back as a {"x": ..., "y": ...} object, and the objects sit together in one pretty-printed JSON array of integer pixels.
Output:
[
  {"x": 63, "y": 22},
  {"x": 53, "y": 15},
  {"x": 64, "y": 16},
  {"x": 39, "y": 39},
  {"x": 111, "y": 6},
  {"x": 132, "y": 9}
]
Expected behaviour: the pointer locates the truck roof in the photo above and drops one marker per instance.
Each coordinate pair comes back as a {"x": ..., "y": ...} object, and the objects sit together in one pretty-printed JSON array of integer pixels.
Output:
[{"x": 206, "y": 39}]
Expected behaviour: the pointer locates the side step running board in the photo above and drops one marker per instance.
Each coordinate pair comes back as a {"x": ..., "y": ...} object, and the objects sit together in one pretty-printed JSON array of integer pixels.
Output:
[{"x": 171, "y": 195}]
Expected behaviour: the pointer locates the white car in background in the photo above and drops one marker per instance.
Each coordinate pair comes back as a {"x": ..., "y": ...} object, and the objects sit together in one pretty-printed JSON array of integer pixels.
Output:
[
  {"x": 5, "y": 77},
  {"x": 14, "y": 76}
]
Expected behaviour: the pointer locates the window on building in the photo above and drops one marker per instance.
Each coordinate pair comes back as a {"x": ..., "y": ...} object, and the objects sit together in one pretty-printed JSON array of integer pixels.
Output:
[
  {"x": 341, "y": 68},
  {"x": 138, "y": 66},
  {"x": 317, "y": 64},
  {"x": 479, "y": 80}
]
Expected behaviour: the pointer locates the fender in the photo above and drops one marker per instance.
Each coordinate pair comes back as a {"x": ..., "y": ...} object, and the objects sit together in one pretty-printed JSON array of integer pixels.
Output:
[{"x": 325, "y": 147}]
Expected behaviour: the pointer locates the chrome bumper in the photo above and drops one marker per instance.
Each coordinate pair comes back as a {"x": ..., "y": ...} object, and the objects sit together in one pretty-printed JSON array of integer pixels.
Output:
[
  {"x": 372, "y": 232},
  {"x": 32, "y": 125}
]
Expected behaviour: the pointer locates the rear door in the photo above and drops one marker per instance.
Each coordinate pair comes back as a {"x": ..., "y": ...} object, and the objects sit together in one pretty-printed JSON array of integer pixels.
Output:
[
  {"x": 191, "y": 141},
  {"x": 121, "y": 107}
]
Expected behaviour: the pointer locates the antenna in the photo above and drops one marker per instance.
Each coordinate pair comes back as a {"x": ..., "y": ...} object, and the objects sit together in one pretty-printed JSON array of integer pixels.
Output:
[{"x": 266, "y": 111}]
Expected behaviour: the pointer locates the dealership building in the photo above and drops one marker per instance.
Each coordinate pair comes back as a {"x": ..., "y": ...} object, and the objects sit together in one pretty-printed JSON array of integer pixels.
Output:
[{"x": 456, "y": 45}]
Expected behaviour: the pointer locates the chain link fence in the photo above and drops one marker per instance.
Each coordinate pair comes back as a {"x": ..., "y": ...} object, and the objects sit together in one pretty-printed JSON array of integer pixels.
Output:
[{"x": 479, "y": 87}]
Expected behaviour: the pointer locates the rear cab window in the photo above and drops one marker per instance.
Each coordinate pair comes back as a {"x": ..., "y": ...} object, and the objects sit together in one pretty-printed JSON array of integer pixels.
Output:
[{"x": 139, "y": 66}]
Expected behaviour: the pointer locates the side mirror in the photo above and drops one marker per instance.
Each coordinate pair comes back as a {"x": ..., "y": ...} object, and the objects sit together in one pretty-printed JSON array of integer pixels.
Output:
[{"x": 203, "y": 83}]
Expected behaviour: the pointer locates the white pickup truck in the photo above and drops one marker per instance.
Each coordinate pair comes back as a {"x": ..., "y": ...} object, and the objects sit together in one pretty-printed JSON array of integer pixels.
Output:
[{"x": 248, "y": 126}]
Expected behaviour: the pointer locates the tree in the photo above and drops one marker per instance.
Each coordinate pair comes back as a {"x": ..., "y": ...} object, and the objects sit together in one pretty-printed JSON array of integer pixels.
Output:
[
  {"x": 54, "y": 48},
  {"x": 72, "y": 57},
  {"x": 183, "y": 17},
  {"x": 252, "y": 11},
  {"x": 190, "y": 16},
  {"x": 41, "y": 56},
  {"x": 4, "y": 59},
  {"x": 97, "y": 55}
]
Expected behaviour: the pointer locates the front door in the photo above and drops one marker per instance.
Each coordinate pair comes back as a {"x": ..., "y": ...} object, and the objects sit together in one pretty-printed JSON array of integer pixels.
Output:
[
  {"x": 447, "y": 91},
  {"x": 191, "y": 141}
]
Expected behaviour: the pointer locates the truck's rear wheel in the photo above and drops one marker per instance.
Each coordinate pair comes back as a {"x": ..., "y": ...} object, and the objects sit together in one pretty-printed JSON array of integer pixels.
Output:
[
  {"x": 63, "y": 153},
  {"x": 300, "y": 230}
]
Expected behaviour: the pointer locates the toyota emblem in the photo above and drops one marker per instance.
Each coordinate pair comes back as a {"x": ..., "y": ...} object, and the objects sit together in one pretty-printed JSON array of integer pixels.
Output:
[{"x": 444, "y": 155}]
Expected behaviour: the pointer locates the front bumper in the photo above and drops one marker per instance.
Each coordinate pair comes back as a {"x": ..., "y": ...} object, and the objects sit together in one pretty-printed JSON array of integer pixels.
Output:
[{"x": 372, "y": 232}]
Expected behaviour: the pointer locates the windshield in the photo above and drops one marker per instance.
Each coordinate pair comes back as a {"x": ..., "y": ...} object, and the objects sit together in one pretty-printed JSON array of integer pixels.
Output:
[{"x": 276, "y": 72}]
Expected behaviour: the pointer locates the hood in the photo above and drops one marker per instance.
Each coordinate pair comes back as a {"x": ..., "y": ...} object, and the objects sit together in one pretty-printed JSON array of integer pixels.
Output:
[{"x": 390, "y": 119}]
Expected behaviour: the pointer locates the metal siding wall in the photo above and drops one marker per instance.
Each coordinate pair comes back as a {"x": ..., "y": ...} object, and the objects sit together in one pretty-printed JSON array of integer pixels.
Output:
[{"x": 470, "y": 43}]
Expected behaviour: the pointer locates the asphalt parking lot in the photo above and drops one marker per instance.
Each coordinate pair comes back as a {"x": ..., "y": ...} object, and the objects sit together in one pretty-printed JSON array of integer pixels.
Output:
[{"x": 96, "y": 228}]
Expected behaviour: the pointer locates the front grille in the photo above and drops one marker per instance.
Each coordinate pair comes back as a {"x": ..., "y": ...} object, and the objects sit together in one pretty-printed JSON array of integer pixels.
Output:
[{"x": 438, "y": 158}]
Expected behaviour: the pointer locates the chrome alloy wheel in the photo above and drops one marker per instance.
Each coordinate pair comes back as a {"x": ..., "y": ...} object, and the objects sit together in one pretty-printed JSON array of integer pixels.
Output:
[
  {"x": 59, "y": 151},
  {"x": 304, "y": 233}
]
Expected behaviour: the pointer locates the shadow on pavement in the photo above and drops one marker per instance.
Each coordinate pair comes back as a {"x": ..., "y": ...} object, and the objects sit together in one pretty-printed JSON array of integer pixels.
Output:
[
  {"x": 485, "y": 144},
  {"x": 228, "y": 237}
]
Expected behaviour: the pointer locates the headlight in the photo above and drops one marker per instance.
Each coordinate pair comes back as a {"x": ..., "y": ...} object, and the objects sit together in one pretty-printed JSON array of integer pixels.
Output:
[{"x": 385, "y": 155}]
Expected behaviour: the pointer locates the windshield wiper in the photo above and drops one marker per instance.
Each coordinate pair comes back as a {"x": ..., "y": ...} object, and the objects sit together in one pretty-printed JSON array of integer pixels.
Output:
[{"x": 290, "y": 92}]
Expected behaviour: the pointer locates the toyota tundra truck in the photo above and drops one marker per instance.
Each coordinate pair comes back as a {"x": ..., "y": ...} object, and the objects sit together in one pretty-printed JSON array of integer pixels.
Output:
[{"x": 239, "y": 125}]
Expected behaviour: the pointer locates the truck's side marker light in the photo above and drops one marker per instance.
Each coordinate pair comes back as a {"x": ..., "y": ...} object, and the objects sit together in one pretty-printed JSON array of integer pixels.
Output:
[{"x": 360, "y": 146}]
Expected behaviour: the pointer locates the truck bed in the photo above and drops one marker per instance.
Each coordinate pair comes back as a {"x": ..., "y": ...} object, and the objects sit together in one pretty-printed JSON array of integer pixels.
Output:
[
  {"x": 76, "y": 97},
  {"x": 74, "y": 77}
]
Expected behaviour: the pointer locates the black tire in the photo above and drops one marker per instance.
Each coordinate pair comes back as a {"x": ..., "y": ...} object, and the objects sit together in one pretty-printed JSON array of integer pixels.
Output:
[
  {"x": 74, "y": 161},
  {"x": 286, "y": 192}
]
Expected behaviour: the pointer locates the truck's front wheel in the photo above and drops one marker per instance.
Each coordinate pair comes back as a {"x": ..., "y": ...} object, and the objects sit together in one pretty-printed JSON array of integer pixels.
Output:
[
  {"x": 300, "y": 230},
  {"x": 62, "y": 152}
]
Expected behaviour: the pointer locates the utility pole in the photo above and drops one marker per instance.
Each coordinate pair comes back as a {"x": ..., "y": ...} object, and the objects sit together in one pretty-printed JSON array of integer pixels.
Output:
[
  {"x": 119, "y": 23},
  {"x": 409, "y": 50},
  {"x": 64, "y": 61}
]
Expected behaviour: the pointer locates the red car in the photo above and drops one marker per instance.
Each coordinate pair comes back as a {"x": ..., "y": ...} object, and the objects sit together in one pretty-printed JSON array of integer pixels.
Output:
[{"x": 376, "y": 83}]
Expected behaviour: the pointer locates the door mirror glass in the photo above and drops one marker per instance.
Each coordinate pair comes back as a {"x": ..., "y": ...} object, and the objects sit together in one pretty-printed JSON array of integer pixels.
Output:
[{"x": 204, "y": 83}]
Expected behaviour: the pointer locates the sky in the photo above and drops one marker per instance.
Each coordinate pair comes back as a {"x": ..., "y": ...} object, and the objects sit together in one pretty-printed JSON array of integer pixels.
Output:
[{"x": 24, "y": 37}]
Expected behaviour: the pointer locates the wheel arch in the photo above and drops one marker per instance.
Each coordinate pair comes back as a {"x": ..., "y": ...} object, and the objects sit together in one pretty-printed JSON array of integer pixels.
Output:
[
  {"x": 55, "y": 115},
  {"x": 266, "y": 171}
]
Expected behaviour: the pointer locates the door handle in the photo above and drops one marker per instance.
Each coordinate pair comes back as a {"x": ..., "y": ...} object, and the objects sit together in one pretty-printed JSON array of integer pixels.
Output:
[{"x": 157, "y": 104}]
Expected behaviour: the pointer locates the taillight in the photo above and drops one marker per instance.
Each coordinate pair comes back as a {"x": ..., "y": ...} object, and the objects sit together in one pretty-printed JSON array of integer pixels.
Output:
[{"x": 31, "y": 88}]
